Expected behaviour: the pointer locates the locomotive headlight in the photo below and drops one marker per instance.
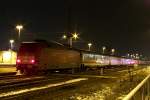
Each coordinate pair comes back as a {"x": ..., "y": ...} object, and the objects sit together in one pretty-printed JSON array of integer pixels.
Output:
[
  {"x": 32, "y": 61},
  {"x": 18, "y": 60}
]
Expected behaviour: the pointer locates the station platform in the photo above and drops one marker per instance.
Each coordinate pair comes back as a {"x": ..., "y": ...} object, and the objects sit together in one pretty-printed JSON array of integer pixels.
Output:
[{"x": 7, "y": 68}]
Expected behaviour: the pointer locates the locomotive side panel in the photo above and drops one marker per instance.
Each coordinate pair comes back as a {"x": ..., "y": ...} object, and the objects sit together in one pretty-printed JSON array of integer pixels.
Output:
[
  {"x": 34, "y": 56},
  {"x": 58, "y": 58}
]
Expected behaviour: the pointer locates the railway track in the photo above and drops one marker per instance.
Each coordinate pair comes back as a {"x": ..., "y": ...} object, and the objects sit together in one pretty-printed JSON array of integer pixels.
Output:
[
  {"x": 15, "y": 80},
  {"x": 3, "y": 75},
  {"x": 17, "y": 89},
  {"x": 26, "y": 82},
  {"x": 58, "y": 82}
]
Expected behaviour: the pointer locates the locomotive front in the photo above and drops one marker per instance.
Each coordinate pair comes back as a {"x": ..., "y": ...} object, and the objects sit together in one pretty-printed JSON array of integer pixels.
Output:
[{"x": 27, "y": 57}]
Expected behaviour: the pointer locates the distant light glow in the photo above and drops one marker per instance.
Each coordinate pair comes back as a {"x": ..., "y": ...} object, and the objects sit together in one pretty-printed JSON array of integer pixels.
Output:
[
  {"x": 89, "y": 44},
  {"x": 64, "y": 37},
  {"x": 104, "y": 48},
  {"x": 7, "y": 55},
  {"x": 112, "y": 50},
  {"x": 11, "y": 41},
  {"x": 19, "y": 27},
  {"x": 75, "y": 36}
]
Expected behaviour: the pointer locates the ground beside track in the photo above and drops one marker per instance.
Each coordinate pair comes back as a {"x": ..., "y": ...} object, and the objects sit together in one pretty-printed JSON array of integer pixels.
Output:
[{"x": 113, "y": 84}]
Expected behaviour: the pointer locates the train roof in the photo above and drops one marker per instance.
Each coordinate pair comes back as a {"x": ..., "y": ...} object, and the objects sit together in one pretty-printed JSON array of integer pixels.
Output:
[
  {"x": 57, "y": 44},
  {"x": 48, "y": 43}
]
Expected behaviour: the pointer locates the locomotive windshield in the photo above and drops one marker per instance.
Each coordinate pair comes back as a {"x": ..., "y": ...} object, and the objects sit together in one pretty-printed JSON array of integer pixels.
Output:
[{"x": 28, "y": 47}]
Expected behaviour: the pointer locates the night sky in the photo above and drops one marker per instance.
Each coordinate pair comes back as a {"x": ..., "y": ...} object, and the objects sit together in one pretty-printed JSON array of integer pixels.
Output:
[{"x": 120, "y": 24}]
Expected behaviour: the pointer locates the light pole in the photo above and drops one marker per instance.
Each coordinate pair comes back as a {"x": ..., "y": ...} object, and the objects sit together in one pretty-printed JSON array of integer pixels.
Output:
[
  {"x": 11, "y": 44},
  {"x": 103, "y": 48},
  {"x": 70, "y": 42},
  {"x": 19, "y": 27},
  {"x": 137, "y": 56},
  {"x": 131, "y": 55},
  {"x": 74, "y": 36},
  {"x": 89, "y": 44},
  {"x": 128, "y": 55},
  {"x": 64, "y": 36},
  {"x": 112, "y": 51},
  {"x": 70, "y": 38}
]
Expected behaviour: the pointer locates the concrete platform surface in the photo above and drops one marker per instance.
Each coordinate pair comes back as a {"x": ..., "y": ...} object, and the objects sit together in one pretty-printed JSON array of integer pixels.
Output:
[{"x": 7, "y": 69}]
